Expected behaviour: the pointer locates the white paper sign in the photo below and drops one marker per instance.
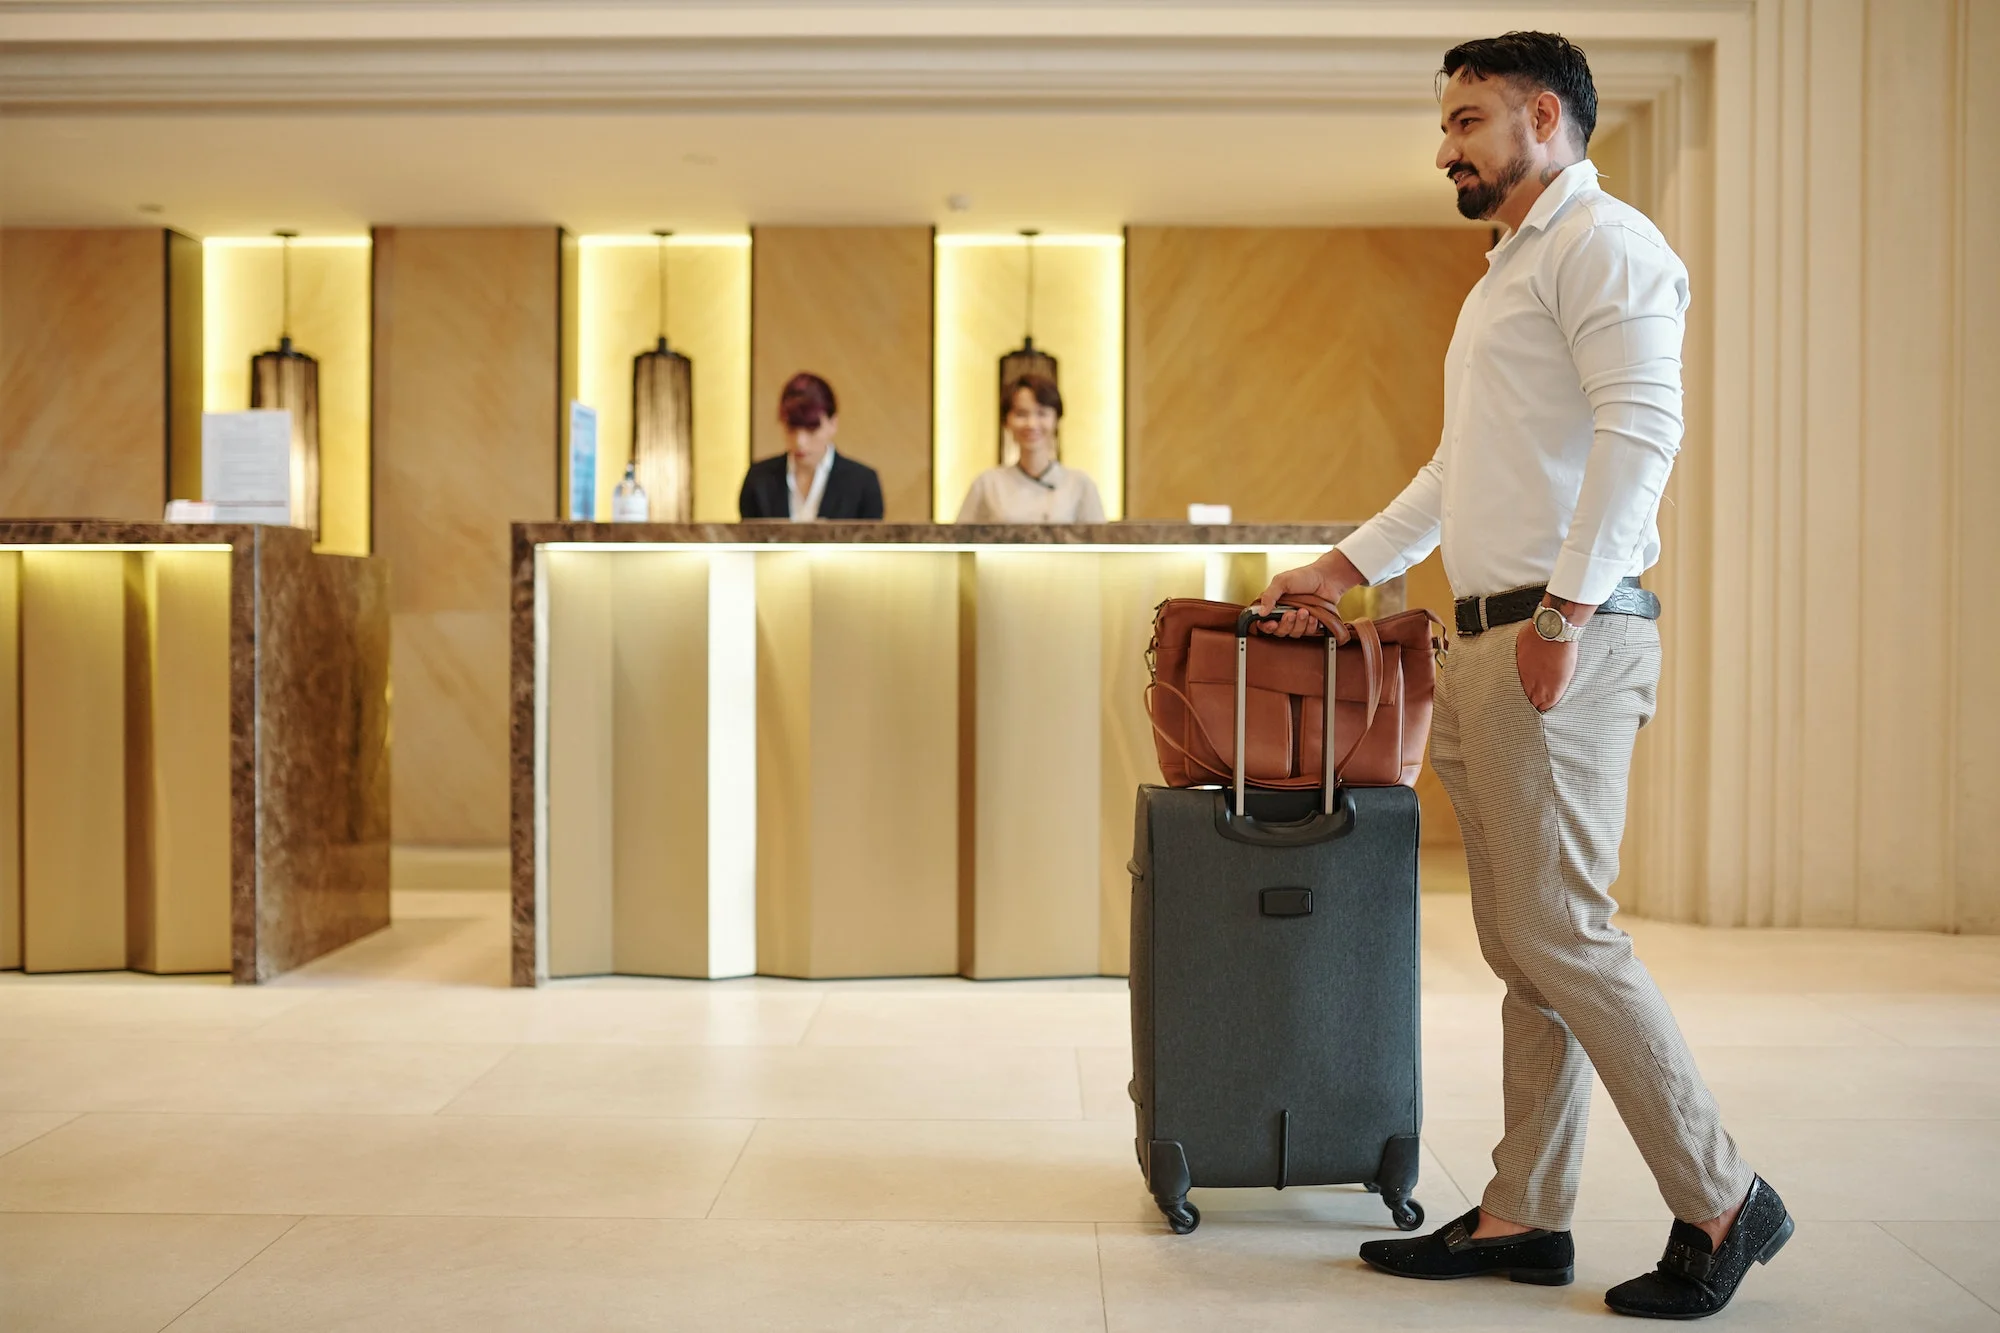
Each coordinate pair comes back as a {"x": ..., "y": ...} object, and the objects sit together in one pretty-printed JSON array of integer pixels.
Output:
[{"x": 246, "y": 465}]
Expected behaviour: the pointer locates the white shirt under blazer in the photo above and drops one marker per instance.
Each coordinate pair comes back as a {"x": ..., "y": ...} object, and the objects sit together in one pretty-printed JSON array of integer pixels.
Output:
[
  {"x": 1009, "y": 495},
  {"x": 1562, "y": 410}
]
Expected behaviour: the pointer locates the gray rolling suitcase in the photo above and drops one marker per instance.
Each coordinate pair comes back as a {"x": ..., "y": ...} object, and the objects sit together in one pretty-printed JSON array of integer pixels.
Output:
[{"x": 1274, "y": 989}]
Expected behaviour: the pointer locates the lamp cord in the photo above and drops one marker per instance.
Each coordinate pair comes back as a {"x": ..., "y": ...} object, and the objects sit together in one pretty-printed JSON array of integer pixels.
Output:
[
  {"x": 285, "y": 316},
  {"x": 660, "y": 264},
  {"x": 1029, "y": 332}
]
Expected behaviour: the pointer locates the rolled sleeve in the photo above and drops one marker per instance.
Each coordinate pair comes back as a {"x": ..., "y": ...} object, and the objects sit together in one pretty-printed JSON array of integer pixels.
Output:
[
  {"x": 1622, "y": 303},
  {"x": 1404, "y": 532}
]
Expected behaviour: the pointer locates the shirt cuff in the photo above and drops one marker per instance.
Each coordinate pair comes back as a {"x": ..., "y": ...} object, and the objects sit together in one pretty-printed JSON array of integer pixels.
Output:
[
  {"x": 1586, "y": 579},
  {"x": 1371, "y": 553}
]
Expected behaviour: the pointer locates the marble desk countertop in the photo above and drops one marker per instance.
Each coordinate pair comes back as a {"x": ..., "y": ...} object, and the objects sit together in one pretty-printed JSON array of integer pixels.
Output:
[
  {"x": 120, "y": 532},
  {"x": 783, "y": 532}
]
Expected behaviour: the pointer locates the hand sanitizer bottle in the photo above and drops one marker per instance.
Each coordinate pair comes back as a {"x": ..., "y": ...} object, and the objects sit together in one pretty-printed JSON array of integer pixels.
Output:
[{"x": 628, "y": 502}]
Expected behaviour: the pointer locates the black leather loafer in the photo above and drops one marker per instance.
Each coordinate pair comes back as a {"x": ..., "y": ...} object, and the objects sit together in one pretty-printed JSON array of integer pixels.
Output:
[
  {"x": 1545, "y": 1258},
  {"x": 1693, "y": 1281}
]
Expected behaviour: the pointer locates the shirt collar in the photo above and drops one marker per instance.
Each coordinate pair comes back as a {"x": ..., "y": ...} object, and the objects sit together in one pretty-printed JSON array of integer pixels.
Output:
[
  {"x": 1574, "y": 177},
  {"x": 825, "y": 466},
  {"x": 1050, "y": 478}
]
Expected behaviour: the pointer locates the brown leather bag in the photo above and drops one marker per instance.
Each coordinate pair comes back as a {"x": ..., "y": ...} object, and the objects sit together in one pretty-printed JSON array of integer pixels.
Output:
[{"x": 1385, "y": 672}]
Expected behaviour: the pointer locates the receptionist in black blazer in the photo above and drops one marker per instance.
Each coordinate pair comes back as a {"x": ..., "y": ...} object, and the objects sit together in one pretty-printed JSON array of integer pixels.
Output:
[{"x": 810, "y": 479}]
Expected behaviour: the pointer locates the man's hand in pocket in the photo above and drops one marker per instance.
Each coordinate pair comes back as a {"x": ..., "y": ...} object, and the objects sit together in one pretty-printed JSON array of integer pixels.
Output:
[{"x": 1546, "y": 668}]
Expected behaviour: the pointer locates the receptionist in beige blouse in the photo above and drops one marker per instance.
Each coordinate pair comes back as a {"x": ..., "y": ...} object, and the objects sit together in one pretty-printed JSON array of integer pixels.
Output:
[{"x": 1037, "y": 488}]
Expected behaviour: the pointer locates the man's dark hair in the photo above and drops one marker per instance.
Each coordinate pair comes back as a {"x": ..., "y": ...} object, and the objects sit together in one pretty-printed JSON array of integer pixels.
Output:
[{"x": 1540, "y": 61}]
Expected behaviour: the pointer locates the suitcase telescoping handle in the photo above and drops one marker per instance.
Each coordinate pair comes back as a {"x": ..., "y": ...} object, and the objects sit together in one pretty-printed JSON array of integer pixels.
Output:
[{"x": 1328, "y": 779}]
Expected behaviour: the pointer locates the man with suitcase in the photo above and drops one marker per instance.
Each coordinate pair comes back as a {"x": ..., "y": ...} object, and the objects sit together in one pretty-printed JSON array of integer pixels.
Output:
[{"x": 1562, "y": 420}]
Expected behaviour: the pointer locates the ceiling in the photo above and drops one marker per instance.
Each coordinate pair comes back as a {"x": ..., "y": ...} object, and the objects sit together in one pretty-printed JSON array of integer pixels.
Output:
[
  {"x": 246, "y": 173},
  {"x": 235, "y": 117}
]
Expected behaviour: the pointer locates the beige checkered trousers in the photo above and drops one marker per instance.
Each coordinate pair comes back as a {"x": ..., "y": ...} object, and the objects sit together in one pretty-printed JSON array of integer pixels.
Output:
[{"x": 1541, "y": 800}]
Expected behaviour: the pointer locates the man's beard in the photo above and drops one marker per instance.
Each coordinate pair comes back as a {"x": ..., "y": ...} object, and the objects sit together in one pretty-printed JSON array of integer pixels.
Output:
[{"x": 1481, "y": 200}]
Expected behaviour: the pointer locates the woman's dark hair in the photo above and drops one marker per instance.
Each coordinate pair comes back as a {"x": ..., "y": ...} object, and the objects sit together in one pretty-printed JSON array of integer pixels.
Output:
[
  {"x": 1541, "y": 61},
  {"x": 1041, "y": 386},
  {"x": 806, "y": 402}
]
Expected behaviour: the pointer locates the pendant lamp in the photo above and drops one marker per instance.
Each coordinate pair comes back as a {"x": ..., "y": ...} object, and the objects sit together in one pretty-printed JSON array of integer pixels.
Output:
[
  {"x": 663, "y": 418},
  {"x": 288, "y": 379},
  {"x": 1026, "y": 359}
]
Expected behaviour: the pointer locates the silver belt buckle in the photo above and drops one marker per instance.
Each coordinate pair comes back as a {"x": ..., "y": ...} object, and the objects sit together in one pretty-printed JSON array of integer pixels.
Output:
[{"x": 1483, "y": 626}]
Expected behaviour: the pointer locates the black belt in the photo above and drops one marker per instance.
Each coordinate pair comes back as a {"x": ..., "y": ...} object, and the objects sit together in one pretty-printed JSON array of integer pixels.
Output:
[{"x": 1510, "y": 608}]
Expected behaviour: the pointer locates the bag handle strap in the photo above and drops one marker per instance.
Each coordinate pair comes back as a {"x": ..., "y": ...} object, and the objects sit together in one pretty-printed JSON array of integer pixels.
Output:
[{"x": 1318, "y": 608}]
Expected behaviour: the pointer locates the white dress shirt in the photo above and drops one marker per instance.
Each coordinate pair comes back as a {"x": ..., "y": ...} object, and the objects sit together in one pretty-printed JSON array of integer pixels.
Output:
[
  {"x": 1562, "y": 410},
  {"x": 805, "y": 508},
  {"x": 1009, "y": 495}
]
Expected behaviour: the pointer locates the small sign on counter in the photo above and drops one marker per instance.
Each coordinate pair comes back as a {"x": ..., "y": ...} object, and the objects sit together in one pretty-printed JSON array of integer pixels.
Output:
[{"x": 246, "y": 468}]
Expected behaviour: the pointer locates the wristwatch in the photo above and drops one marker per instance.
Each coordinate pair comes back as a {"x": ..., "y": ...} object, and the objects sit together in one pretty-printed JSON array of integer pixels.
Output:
[{"x": 1554, "y": 627}]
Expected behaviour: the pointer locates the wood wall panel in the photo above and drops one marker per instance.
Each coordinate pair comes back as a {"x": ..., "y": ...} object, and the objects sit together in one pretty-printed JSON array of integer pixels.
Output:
[
  {"x": 187, "y": 360},
  {"x": 83, "y": 373},
  {"x": 467, "y": 404},
  {"x": 1295, "y": 374},
  {"x": 852, "y": 305}
]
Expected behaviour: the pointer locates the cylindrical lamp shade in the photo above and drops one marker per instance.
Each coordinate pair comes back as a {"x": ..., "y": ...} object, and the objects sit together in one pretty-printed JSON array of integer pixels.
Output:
[
  {"x": 1026, "y": 359},
  {"x": 288, "y": 379},
  {"x": 663, "y": 432}
]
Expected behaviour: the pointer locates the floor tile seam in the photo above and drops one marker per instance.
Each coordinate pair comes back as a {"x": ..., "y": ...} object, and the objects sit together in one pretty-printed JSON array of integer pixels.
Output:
[
  {"x": 496, "y": 1116},
  {"x": 236, "y": 1039},
  {"x": 1783, "y": 1119},
  {"x": 296, "y": 1221},
  {"x": 1079, "y": 1226},
  {"x": 1883, "y": 1227},
  {"x": 68, "y": 1118},
  {"x": 471, "y": 1084},
  {"x": 1445, "y": 1167},
  {"x": 722, "y": 1186},
  {"x": 487, "y": 1216},
  {"x": 1866, "y": 1026},
  {"x": 1097, "y": 1249},
  {"x": 749, "y": 1115}
]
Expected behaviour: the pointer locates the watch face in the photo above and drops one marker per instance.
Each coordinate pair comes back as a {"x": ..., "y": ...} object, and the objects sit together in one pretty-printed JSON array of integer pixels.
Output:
[{"x": 1549, "y": 623}]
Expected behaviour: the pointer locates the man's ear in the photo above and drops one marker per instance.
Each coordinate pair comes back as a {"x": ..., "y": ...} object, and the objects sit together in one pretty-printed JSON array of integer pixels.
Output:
[{"x": 1548, "y": 116}]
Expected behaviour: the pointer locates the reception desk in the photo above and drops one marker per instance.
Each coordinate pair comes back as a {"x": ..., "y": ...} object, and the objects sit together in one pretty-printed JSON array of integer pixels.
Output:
[
  {"x": 194, "y": 738},
  {"x": 843, "y": 749}
]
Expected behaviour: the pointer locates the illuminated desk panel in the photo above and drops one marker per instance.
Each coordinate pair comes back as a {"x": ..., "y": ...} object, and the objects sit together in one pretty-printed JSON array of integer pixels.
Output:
[{"x": 843, "y": 750}]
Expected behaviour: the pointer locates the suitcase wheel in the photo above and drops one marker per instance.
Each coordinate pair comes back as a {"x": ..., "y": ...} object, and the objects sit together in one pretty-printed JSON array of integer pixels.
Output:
[
  {"x": 1407, "y": 1214},
  {"x": 1182, "y": 1217}
]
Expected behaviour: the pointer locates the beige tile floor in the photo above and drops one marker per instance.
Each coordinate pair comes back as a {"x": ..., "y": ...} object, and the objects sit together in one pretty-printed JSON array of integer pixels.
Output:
[{"x": 392, "y": 1140}]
